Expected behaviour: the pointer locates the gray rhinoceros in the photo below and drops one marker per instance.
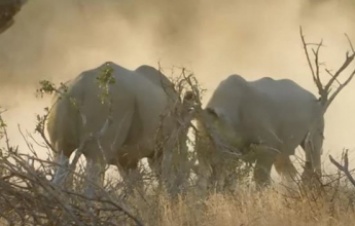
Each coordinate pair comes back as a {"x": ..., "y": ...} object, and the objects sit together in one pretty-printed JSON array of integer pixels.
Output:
[
  {"x": 119, "y": 131},
  {"x": 273, "y": 116}
]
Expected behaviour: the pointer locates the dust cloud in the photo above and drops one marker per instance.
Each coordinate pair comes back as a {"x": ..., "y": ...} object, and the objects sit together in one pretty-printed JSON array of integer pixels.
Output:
[{"x": 56, "y": 40}]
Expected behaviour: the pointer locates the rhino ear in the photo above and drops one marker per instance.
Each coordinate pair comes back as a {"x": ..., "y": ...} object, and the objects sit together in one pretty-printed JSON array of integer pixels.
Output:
[{"x": 212, "y": 112}]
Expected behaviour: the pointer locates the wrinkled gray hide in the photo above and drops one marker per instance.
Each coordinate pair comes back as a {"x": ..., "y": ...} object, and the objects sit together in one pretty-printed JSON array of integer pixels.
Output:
[
  {"x": 277, "y": 115},
  {"x": 138, "y": 99}
]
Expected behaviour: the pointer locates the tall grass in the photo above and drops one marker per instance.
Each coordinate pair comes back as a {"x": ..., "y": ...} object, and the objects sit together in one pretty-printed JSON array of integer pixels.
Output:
[{"x": 28, "y": 198}]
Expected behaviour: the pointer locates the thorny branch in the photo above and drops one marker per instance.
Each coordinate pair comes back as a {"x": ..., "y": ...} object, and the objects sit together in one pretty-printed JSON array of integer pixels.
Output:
[
  {"x": 344, "y": 168},
  {"x": 23, "y": 182},
  {"x": 175, "y": 163}
]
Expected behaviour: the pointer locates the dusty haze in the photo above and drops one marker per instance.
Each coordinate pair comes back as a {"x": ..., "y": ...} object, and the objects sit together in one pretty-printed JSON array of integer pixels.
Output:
[{"x": 56, "y": 40}]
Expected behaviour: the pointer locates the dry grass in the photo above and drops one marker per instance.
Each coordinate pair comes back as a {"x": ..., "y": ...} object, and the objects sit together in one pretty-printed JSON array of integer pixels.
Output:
[
  {"x": 249, "y": 208},
  {"x": 278, "y": 205},
  {"x": 28, "y": 198}
]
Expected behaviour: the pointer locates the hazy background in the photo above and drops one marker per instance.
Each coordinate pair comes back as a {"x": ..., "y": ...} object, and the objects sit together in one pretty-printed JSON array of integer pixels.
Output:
[{"x": 56, "y": 40}]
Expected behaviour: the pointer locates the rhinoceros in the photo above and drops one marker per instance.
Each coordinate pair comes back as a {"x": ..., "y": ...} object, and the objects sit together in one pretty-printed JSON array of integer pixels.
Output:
[
  {"x": 270, "y": 116},
  {"x": 119, "y": 129}
]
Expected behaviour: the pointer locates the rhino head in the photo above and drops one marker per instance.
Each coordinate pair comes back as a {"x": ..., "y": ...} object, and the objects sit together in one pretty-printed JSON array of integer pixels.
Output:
[{"x": 224, "y": 127}]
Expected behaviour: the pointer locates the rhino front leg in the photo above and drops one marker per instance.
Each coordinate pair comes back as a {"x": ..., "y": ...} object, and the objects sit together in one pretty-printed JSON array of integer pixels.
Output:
[
  {"x": 262, "y": 170},
  {"x": 95, "y": 173},
  {"x": 313, "y": 151}
]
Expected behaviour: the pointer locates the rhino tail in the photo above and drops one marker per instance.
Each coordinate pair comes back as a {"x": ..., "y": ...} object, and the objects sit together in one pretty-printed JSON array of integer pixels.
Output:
[{"x": 285, "y": 167}]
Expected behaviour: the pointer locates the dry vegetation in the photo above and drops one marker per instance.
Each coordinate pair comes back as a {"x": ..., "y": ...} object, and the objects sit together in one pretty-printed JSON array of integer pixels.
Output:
[{"x": 28, "y": 198}]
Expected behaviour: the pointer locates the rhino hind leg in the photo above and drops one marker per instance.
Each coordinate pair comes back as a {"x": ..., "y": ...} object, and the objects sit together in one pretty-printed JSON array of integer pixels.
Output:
[
  {"x": 95, "y": 168},
  {"x": 130, "y": 173},
  {"x": 312, "y": 145},
  {"x": 127, "y": 131},
  {"x": 95, "y": 174},
  {"x": 62, "y": 169},
  {"x": 62, "y": 161},
  {"x": 103, "y": 151}
]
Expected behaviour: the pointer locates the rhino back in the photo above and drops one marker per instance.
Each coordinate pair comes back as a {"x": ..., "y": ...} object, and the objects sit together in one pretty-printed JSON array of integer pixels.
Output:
[
  {"x": 130, "y": 87},
  {"x": 283, "y": 90},
  {"x": 276, "y": 112},
  {"x": 285, "y": 99},
  {"x": 289, "y": 109},
  {"x": 159, "y": 79}
]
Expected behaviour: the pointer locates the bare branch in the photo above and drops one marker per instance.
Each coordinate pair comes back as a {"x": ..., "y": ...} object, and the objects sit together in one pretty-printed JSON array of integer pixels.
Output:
[
  {"x": 325, "y": 90},
  {"x": 332, "y": 97},
  {"x": 307, "y": 55},
  {"x": 316, "y": 55},
  {"x": 348, "y": 60},
  {"x": 331, "y": 75},
  {"x": 344, "y": 168},
  {"x": 350, "y": 43}
]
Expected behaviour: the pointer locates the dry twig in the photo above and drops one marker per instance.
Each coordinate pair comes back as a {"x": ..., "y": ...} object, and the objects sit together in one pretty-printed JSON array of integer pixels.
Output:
[{"x": 344, "y": 168}]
